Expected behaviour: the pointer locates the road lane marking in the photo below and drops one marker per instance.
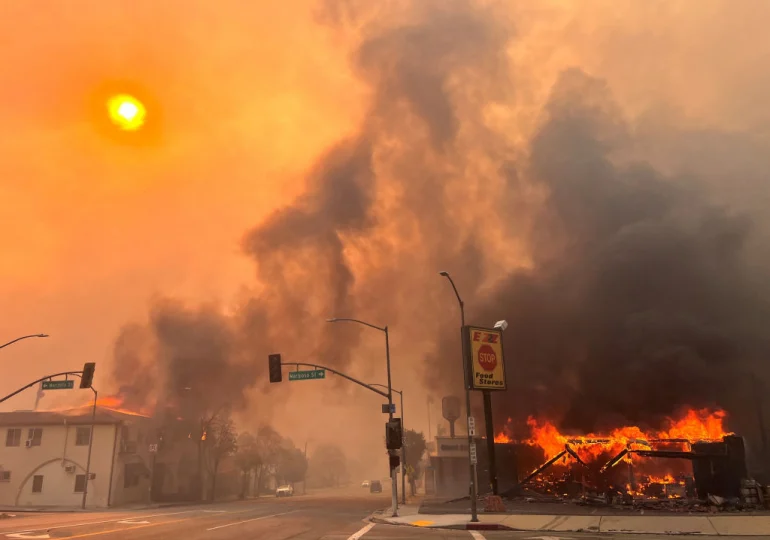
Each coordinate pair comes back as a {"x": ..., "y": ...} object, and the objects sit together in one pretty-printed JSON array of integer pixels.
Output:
[
  {"x": 362, "y": 532},
  {"x": 98, "y": 533},
  {"x": 132, "y": 522},
  {"x": 94, "y": 523},
  {"x": 248, "y": 520},
  {"x": 422, "y": 523},
  {"x": 477, "y": 535},
  {"x": 25, "y": 537}
]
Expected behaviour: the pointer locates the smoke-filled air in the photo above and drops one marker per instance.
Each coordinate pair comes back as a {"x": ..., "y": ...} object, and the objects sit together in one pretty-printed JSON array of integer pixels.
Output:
[{"x": 593, "y": 172}]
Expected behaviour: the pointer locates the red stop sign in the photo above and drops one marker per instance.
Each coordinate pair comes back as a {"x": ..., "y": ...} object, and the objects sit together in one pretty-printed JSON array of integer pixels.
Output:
[{"x": 487, "y": 358}]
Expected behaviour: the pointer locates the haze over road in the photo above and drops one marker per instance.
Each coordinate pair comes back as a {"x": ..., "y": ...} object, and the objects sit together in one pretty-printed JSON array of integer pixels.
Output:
[{"x": 333, "y": 516}]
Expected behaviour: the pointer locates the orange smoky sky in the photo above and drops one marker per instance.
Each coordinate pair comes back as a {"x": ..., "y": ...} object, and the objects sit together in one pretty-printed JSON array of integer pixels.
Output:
[{"x": 253, "y": 106}]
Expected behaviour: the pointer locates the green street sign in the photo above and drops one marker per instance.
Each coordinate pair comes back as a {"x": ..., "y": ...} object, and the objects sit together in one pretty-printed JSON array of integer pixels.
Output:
[
  {"x": 58, "y": 385},
  {"x": 307, "y": 375}
]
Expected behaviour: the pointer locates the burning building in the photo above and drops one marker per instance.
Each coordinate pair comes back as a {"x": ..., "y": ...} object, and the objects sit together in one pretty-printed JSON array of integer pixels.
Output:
[
  {"x": 43, "y": 461},
  {"x": 694, "y": 456}
]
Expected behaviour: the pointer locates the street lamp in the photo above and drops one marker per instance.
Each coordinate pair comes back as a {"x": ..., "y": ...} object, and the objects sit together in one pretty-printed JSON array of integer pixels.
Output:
[
  {"x": 472, "y": 468},
  {"x": 384, "y": 329},
  {"x": 23, "y": 337},
  {"x": 403, "y": 443}
]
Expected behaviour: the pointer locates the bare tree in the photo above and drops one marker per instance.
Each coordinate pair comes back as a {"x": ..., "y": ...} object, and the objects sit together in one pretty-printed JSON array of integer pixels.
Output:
[
  {"x": 248, "y": 460},
  {"x": 220, "y": 443}
]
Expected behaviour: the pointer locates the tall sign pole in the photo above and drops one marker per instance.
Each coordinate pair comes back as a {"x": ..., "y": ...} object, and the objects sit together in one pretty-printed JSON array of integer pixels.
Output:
[{"x": 484, "y": 347}]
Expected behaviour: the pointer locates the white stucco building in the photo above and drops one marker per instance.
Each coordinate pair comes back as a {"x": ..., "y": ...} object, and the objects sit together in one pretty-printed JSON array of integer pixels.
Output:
[{"x": 43, "y": 458}]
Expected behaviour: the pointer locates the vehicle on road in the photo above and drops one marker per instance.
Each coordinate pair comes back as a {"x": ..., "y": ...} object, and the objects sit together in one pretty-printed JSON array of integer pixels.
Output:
[
  {"x": 284, "y": 491},
  {"x": 365, "y": 483},
  {"x": 375, "y": 486}
]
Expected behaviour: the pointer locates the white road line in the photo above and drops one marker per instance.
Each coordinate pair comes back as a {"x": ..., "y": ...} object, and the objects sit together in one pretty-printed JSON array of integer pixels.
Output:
[
  {"x": 363, "y": 531},
  {"x": 248, "y": 520},
  {"x": 93, "y": 523},
  {"x": 477, "y": 535}
]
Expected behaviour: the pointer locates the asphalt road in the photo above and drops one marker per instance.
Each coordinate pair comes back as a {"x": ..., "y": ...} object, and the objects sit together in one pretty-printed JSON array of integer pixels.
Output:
[{"x": 330, "y": 517}]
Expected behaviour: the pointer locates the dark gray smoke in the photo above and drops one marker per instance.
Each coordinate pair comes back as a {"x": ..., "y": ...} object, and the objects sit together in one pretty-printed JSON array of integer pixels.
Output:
[{"x": 641, "y": 299}]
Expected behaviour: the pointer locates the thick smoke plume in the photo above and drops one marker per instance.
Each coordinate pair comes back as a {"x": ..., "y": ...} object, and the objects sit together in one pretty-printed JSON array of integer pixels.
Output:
[{"x": 607, "y": 231}]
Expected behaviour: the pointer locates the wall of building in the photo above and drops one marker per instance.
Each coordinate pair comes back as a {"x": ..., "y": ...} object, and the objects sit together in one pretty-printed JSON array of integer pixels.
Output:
[{"x": 57, "y": 451}]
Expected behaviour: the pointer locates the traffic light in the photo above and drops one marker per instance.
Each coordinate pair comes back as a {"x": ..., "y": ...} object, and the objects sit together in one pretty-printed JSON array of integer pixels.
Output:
[
  {"x": 274, "y": 361},
  {"x": 395, "y": 461},
  {"x": 393, "y": 434},
  {"x": 88, "y": 375}
]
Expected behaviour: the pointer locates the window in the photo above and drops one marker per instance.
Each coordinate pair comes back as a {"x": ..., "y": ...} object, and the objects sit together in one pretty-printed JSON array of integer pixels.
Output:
[
  {"x": 37, "y": 483},
  {"x": 82, "y": 436},
  {"x": 13, "y": 437},
  {"x": 5, "y": 476},
  {"x": 131, "y": 474},
  {"x": 36, "y": 436},
  {"x": 80, "y": 483}
]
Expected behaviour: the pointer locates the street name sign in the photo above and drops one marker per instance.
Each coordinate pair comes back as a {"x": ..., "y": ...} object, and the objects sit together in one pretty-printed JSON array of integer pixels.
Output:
[
  {"x": 307, "y": 375},
  {"x": 58, "y": 385}
]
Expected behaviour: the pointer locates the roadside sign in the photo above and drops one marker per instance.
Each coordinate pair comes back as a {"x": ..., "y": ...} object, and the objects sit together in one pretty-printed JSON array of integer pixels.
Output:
[
  {"x": 153, "y": 448},
  {"x": 474, "y": 459},
  {"x": 483, "y": 349},
  {"x": 471, "y": 426},
  {"x": 58, "y": 385},
  {"x": 307, "y": 375},
  {"x": 387, "y": 410}
]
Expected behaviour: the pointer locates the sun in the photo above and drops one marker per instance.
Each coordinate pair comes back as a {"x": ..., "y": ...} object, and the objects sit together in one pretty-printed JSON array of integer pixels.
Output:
[{"x": 126, "y": 112}]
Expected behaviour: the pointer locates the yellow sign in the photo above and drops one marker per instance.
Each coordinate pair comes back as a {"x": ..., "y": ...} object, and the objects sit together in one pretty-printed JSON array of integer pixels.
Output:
[{"x": 484, "y": 349}]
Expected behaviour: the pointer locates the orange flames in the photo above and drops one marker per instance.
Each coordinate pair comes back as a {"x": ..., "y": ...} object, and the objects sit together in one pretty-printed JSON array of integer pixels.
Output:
[
  {"x": 107, "y": 403},
  {"x": 695, "y": 425}
]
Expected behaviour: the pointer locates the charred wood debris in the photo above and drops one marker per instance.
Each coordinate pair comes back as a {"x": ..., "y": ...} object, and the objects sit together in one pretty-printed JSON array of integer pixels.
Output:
[{"x": 718, "y": 481}]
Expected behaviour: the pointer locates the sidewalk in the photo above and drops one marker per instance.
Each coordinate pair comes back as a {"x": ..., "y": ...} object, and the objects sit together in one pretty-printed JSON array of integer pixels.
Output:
[{"x": 724, "y": 525}]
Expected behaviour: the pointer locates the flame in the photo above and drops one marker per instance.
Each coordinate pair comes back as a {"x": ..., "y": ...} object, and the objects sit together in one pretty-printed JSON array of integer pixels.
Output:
[
  {"x": 694, "y": 425},
  {"x": 107, "y": 403}
]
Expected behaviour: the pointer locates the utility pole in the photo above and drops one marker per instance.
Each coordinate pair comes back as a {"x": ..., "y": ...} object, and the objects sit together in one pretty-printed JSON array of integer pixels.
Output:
[{"x": 90, "y": 446}]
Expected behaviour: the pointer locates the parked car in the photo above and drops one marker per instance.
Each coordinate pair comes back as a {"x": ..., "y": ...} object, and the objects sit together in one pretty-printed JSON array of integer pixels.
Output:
[
  {"x": 284, "y": 491},
  {"x": 375, "y": 486},
  {"x": 365, "y": 483}
]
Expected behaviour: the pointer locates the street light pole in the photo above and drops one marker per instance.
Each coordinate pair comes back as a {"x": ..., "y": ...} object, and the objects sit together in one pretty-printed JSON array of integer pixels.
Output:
[
  {"x": 23, "y": 337},
  {"x": 472, "y": 468},
  {"x": 393, "y": 479}
]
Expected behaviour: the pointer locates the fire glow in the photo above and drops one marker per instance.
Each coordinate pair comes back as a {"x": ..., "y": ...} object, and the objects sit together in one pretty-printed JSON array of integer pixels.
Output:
[
  {"x": 694, "y": 425},
  {"x": 107, "y": 403}
]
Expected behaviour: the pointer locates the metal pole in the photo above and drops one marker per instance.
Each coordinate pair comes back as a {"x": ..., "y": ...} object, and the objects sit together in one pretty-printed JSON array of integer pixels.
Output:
[
  {"x": 490, "y": 440},
  {"x": 90, "y": 445},
  {"x": 403, "y": 452},
  {"x": 472, "y": 466},
  {"x": 22, "y": 337},
  {"x": 304, "y": 476},
  {"x": 393, "y": 479}
]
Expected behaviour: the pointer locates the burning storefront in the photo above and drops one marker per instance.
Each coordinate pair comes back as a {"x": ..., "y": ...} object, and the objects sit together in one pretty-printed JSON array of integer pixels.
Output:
[{"x": 694, "y": 459}]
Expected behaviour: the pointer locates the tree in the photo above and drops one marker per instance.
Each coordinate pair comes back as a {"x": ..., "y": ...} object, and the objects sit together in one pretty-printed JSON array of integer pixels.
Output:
[
  {"x": 269, "y": 444},
  {"x": 292, "y": 465},
  {"x": 220, "y": 443},
  {"x": 329, "y": 465},
  {"x": 247, "y": 459},
  {"x": 415, "y": 448}
]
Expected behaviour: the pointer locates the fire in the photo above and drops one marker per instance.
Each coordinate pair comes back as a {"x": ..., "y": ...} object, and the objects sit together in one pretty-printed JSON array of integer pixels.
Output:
[
  {"x": 694, "y": 425},
  {"x": 107, "y": 403}
]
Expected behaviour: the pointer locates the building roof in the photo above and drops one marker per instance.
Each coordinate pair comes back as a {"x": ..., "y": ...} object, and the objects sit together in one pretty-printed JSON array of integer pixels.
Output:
[{"x": 80, "y": 416}]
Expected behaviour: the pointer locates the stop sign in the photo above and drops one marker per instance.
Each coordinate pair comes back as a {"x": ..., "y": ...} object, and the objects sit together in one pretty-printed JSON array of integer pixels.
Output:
[{"x": 487, "y": 358}]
